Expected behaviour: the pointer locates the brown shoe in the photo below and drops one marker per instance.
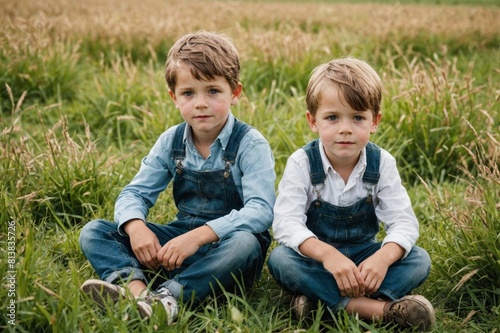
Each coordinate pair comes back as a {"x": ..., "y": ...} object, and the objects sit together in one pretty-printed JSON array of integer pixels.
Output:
[
  {"x": 413, "y": 311},
  {"x": 301, "y": 306}
]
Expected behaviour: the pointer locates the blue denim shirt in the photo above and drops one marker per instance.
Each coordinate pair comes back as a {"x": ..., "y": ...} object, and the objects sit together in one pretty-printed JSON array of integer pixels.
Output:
[{"x": 253, "y": 173}]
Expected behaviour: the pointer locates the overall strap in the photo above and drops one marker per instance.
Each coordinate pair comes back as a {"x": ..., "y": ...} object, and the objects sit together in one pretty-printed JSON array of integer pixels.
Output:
[
  {"x": 318, "y": 176},
  {"x": 178, "y": 146},
  {"x": 239, "y": 130},
  {"x": 372, "y": 173},
  {"x": 317, "y": 172}
]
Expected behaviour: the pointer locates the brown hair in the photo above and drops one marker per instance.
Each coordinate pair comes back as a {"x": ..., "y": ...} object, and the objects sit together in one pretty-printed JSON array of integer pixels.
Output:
[
  {"x": 359, "y": 83},
  {"x": 207, "y": 55}
]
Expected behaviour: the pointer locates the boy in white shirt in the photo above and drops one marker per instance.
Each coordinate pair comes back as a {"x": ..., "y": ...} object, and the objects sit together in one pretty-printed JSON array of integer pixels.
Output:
[{"x": 334, "y": 193}]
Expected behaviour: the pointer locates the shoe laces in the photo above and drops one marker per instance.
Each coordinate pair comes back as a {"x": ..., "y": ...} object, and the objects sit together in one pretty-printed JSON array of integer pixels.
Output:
[
  {"x": 398, "y": 313},
  {"x": 168, "y": 300}
]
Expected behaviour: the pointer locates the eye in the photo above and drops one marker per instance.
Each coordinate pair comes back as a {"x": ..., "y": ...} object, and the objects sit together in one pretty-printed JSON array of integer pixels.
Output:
[
  {"x": 359, "y": 118},
  {"x": 332, "y": 117},
  {"x": 187, "y": 93},
  {"x": 213, "y": 91}
]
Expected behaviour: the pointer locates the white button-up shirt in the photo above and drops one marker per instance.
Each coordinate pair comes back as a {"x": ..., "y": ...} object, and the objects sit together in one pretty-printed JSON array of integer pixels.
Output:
[{"x": 392, "y": 203}]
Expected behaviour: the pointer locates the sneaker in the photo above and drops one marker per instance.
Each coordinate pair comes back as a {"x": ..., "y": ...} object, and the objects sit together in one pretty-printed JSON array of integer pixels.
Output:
[
  {"x": 162, "y": 296},
  {"x": 100, "y": 291},
  {"x": 410, "y": 312},
  {"x": 301, "y": 306}
]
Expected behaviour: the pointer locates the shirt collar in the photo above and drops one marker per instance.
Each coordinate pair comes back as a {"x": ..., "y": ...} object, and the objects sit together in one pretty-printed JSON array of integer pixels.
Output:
[
  {"x": 327, "y": 166},
  {"x": 223, "y": 136}
]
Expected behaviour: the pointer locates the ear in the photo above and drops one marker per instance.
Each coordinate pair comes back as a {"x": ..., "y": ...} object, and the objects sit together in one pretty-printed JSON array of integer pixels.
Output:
[
  {"x": 172, "y": 95},
  {"x": 375, "y": 123},
  {"x": 311, "y": 120},
  {"x": 236, "y": 93}
]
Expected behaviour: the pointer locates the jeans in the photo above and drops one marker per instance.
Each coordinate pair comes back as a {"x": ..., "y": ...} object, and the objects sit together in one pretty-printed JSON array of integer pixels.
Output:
[
  {"x": 114, "y": 261},
  {"x": 301, "y": 275}
]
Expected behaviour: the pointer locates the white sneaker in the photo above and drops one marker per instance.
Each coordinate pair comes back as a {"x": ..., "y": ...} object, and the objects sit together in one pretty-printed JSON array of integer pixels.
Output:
[
  {"x": 163, "y": 296},
  {"x": 301, "y": 306},
  {"x": 100, "y": 290}
]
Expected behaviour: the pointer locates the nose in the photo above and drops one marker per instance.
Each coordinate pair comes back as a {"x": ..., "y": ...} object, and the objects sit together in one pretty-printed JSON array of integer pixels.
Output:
[
  {"x": 200, "y": 101},
  {"x": 345, "y": 127}
]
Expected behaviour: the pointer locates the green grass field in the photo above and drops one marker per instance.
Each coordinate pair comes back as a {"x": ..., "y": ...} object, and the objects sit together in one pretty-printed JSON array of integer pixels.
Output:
[{"x": 83, "y": 99}]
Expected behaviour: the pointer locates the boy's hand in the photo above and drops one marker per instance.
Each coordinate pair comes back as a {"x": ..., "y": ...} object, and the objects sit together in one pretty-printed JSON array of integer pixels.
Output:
[
  {"x": 174, "y": 252},
  {"x": 347, "y": 275},
  {"x": 374, "y": 268},
  {"x": 144, "y": 243},
  {"x": 344, "y": 271}
]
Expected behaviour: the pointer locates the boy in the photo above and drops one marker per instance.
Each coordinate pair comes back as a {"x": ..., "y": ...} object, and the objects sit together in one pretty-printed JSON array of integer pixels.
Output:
[
  {"x": 333, "y": 194},
  {"x": 223, "y": 177}
]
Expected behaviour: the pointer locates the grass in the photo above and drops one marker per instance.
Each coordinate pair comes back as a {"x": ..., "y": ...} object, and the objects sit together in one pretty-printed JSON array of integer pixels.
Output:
[{"x": 82, "y": 99}]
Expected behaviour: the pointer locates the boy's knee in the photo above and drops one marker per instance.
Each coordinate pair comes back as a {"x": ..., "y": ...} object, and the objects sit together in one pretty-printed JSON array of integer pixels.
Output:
[
  {"x": 88, "y": 232},
  {"x": 240, "y": 251},
  {"x": 425, "y": 263},
  {"x": 245, "y": 242},
  {"x": 421, "y": 257},
  {"x": 285, "y": 267},
  {"x": 85, "y": 234},
  {"x": 279, "y": 258},
  {"x": 426, "y": 256}
]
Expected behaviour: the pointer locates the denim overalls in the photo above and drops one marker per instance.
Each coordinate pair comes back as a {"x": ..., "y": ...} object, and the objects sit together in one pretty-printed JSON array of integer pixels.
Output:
[
  {"x": 199, "y": 197},
  {"x": 338, "y": 226},
  {"x": 204, "y": 196},
  {"x": 352, "y": 231}
]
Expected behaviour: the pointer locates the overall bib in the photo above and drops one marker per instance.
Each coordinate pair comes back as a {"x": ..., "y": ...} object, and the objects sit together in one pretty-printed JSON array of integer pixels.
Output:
[
  {"x": 201, "y": 196},
  {"x": 340, "y": 226}
]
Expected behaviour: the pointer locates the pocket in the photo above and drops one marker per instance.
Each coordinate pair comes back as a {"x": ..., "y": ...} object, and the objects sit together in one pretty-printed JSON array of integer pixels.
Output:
[
  {"x": 335, "y": 229},
  {"x": 202, "y": 196}
]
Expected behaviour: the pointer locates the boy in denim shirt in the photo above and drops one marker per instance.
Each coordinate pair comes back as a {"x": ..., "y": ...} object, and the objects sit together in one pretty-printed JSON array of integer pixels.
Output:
[
  {"x": 333, "y": 194},
  {"x": 223, "y": 177}
]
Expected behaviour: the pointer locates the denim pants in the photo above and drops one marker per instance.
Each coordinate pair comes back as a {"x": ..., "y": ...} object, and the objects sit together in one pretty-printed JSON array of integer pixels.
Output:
[
  {"x": 199, "y": 197},
  {"x": 112, "y": 258},
  {"x": 351, "y": 230},
  {"x": 301, "y": 275}
]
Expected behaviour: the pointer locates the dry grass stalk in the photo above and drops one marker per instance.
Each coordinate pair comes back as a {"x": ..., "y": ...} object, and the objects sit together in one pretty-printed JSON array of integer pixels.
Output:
[{"x": 275, "y": 30}]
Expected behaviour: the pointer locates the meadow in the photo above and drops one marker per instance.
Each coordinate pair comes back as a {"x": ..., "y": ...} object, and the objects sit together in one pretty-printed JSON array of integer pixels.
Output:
[{"x": 82, "y": 100}]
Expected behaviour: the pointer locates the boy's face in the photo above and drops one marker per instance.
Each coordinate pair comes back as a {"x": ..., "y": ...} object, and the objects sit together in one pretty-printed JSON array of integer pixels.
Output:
[
  {"x": 343, "y": 131},
  {"x": 204, "y": 105}
]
